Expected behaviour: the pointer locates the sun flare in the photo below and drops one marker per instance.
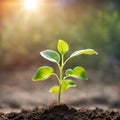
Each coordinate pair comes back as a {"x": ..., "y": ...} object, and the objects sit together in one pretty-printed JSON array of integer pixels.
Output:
[{"x": 30, "y": 5}]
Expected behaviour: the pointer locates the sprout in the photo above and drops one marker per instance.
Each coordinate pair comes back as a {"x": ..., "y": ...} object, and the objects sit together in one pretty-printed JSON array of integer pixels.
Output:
[{"x": 65, "y": 81}]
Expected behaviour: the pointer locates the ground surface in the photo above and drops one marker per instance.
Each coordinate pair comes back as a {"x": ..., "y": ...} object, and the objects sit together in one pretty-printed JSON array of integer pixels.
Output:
[
  {"x": 17, "y": 92},
  {"x": 62, "y": 112}
]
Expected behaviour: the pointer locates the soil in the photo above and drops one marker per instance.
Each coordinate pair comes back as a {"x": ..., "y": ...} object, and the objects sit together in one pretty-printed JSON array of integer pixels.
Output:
[{"x": 62, "y": 112}]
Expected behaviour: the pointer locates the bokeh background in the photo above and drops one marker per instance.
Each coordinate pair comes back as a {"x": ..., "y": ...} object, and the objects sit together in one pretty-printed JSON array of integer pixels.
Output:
[{"x": 83, "y": 24}]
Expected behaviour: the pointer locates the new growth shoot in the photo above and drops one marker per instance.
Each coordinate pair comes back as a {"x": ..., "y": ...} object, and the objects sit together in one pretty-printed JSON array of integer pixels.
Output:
[{"x": 64, "y": 81}]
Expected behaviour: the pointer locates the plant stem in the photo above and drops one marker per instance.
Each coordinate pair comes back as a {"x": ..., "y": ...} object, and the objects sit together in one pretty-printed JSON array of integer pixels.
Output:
[
  {"x": 61, "y": 80},
  {"x": 59, "y": 94},
  {"x": 66, "y": 61},
  {"x": 60, "y": 85}
]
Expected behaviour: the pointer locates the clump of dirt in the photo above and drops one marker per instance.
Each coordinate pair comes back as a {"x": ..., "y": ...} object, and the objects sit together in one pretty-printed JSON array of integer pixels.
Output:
[{"x": 62, "y": 112}]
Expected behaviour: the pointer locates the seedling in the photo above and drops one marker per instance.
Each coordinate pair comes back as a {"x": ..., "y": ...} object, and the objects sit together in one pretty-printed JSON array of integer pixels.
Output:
[{"x": 64, "y": 81}]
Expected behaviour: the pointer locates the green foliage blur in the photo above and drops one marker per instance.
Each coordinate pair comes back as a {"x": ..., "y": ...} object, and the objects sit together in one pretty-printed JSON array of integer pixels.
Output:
[{"x": 24, "y": 35}]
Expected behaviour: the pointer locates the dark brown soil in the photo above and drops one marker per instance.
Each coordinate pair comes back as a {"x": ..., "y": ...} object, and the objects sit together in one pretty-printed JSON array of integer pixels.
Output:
[{"x": 62, "y": 112}]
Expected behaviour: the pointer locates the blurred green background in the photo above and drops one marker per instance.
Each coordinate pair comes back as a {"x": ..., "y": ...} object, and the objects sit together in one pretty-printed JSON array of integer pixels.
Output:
[{"x": 82, "y": 23}]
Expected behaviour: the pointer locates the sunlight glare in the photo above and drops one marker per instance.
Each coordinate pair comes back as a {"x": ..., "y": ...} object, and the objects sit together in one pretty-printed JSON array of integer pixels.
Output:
[{"x": 30, "y": 5}]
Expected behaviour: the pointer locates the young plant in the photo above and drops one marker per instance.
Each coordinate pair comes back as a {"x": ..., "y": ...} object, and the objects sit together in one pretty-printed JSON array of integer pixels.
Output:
[{"x": 64, "y": 81}]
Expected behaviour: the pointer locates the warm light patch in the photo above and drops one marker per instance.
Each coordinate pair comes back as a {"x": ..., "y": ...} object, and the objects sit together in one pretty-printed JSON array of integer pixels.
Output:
[{"x": 30, "y": 5}]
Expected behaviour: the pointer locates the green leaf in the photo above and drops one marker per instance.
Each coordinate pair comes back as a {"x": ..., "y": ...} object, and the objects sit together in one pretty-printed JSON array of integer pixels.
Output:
[
  {"x": 51, "y": 55},
  {"x": 43, "y": 73},
  {"x": 54, "y": 89},
  {"x": 86, "y": 52},
  {"x": 63, "y": 47},
  {"x": 69, "y": 72},
  {"x": 67, "y": 84},
  {"x": 77, "y": 72}
]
